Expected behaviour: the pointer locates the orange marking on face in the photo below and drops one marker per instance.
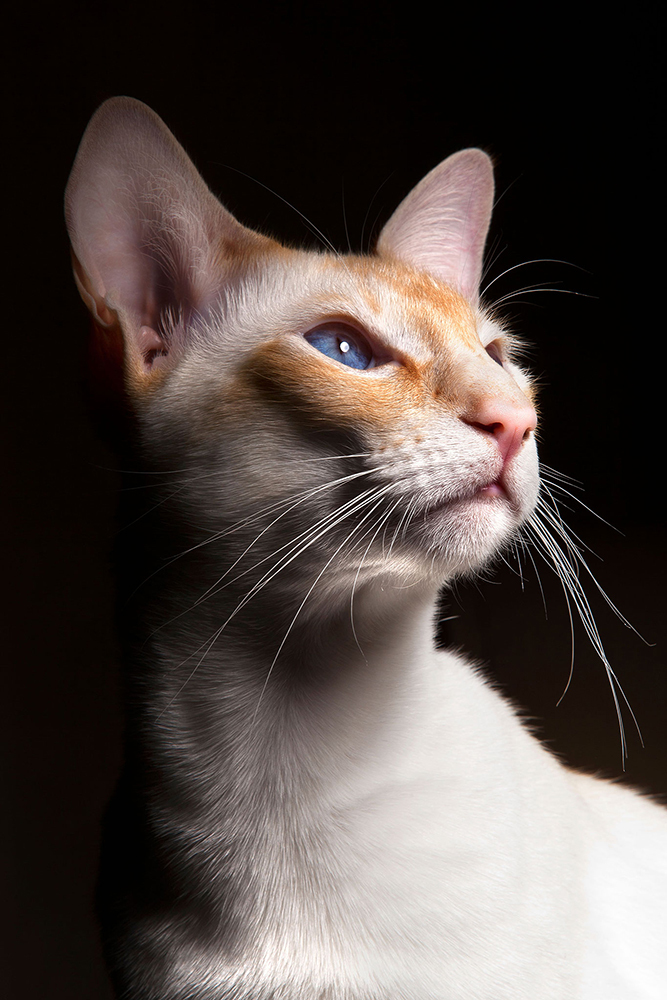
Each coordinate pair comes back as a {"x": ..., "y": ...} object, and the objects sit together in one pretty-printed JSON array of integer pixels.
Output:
[
  {"x": 439, "y": 312},
  {"x": 326, "y": 391},
  {"x": 241, "y": 250},
  {"x": 428, "y": 327}
]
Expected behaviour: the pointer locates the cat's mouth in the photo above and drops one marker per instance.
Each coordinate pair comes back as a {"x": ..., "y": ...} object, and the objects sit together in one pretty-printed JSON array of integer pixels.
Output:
[{"x": 495, "y": 490}]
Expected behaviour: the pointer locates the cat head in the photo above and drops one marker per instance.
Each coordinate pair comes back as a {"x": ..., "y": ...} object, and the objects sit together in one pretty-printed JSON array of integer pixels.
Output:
[{"x": 365, "y": 404}]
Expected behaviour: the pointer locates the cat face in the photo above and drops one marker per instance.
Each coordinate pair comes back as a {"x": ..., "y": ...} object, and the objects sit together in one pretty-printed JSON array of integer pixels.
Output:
[{"x": 358, "y": 413}]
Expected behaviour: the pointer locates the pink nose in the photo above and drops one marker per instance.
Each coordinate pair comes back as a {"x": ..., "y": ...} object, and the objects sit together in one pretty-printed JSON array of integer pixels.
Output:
[{"x": 509, "y": 424}]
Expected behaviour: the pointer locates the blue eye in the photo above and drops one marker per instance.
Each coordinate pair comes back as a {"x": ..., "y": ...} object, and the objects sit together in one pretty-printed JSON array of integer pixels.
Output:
[{"x": 340, "y": 343}]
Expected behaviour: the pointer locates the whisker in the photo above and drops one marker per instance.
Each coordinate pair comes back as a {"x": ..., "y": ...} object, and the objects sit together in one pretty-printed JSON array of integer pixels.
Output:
[
  {"x": 576, "y": 555},
  {"x": 303, "y": 603},
  {"x": 330, "y": 458},
  {"x": 562, "y": 489},
  {"x": 299, "y": 498},
  {"x": 370, "y": 205},
  {"x": 326, "y": 242},
  {"x": 208, "y": 643},
  {"x": 347, "y": 232},
  {"x": 403, "y": 524},
  {"x": 308, "y": 496},
  {"x": 150, "y": 510},
  {"x": 555, "y": 474},
  {"x": 315, "y": 532},
  {"x": 259, "y": 585},
  {"x": 565, "y": 564},
  {"x": 525, "y": 263},
  {"x": 539, "y": 288},
  {"x": 529, "y": 555}
]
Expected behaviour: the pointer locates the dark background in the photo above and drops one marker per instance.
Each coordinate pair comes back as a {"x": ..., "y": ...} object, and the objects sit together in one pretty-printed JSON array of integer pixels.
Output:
[{"x": 339, "y": 113}]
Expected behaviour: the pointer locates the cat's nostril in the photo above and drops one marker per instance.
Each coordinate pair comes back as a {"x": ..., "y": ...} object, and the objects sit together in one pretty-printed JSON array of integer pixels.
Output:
[{"x": 510, "y": 425}]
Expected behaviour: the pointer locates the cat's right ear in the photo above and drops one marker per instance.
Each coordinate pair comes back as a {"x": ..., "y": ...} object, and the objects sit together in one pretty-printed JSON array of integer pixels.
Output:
[{"x": 152, "y": 247}]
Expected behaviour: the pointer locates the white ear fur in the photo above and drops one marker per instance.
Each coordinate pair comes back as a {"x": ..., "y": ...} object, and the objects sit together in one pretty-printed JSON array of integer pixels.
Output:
[
  {"x": 441, "y": 226},
  {"x": 148, "y": 237}
]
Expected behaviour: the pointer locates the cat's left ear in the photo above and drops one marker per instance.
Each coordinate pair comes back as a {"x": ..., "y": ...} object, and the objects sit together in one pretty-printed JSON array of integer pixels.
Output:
[{"x": 441, "y": 226}]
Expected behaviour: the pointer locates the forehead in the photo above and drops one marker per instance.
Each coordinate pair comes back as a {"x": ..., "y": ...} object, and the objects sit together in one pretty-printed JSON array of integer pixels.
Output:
[{"x": 408, "y": 311}]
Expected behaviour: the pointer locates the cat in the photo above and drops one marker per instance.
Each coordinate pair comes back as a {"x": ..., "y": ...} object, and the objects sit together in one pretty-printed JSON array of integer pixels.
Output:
[{"x": 317, "y": 803}]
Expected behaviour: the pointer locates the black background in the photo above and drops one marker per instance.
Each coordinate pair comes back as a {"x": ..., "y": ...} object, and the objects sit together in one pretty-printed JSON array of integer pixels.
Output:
[{"x": 339, "y": 112}]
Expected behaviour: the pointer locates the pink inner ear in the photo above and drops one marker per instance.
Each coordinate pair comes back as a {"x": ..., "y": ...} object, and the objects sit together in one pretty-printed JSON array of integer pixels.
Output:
[
  {"x": 441, "y": 226},
  {"x": 149, "y": 340},
  {"x": 151, "y": 345},
  {"x": 145, "y": 230}
]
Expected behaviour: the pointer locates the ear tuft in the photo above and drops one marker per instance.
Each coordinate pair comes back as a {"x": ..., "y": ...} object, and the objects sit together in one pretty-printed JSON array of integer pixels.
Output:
[{"x": 441, "y": 226}]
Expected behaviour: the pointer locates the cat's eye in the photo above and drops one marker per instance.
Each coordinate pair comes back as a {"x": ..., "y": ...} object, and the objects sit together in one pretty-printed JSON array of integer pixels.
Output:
[
  {"x": 494, "y": 352},
  {"x": 342, "y": 343}
]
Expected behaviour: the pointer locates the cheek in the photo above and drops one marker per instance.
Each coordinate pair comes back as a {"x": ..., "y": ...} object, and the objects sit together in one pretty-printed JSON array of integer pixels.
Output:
[{"x": 326, "y": 394}]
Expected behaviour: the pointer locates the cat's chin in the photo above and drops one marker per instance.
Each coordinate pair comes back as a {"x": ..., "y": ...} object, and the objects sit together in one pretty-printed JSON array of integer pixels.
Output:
[{"x": 464, "y": 533}]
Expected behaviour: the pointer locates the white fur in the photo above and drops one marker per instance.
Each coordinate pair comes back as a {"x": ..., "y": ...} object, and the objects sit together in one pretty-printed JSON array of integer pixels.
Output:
[{"x": 336, "y": 810}]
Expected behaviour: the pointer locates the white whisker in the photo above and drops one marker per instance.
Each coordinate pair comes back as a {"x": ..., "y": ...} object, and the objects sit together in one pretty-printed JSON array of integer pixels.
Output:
[
  {"x": 525, "y": 263},
  {"x": 305, "y": 599},
  {"x": 531, "y": 289},
  {"x": 289, "y": 504},
  {"x": 349, "y": 508},
  {"x": 548, "y": 486},
  {"x": 565, "y": 563}
]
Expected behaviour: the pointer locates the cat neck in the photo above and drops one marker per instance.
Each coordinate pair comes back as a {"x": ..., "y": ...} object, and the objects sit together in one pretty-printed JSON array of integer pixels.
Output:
[{"x": 279, "y": 665}]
